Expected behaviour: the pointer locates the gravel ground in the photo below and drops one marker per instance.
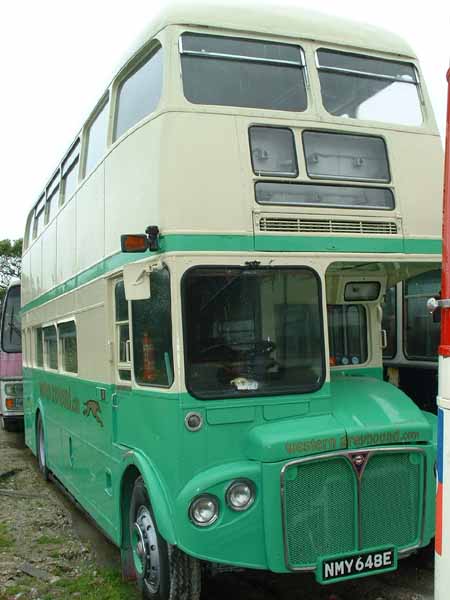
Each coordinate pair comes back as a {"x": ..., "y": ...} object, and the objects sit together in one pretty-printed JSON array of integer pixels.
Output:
[{"x": 48, "y": 550}]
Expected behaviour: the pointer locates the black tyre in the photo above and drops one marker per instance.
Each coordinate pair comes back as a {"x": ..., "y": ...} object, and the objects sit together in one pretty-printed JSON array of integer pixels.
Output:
[
  {"x": 9, "y": 425},
  {"x": 40, "y": 448},
  {"x": 163, "y": 572}
]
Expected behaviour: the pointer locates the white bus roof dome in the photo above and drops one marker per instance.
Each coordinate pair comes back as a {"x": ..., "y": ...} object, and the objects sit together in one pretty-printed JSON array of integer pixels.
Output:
[
  {"x": 282, "y": 20},
  {"x": 14, "y": 281}
]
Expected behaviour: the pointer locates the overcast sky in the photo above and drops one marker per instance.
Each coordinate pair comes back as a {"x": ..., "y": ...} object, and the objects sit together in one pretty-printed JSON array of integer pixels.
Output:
[{"x": 56, "y": 58}]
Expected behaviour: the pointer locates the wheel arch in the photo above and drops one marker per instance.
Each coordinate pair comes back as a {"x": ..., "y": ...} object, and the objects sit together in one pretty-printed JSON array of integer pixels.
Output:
[
  {"x": 138, "y": 466},
  {"x": 40, "y": 411}
]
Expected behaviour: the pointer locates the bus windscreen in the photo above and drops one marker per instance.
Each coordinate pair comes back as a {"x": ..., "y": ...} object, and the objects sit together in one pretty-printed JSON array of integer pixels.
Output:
[{"x": 11, "y": 339}]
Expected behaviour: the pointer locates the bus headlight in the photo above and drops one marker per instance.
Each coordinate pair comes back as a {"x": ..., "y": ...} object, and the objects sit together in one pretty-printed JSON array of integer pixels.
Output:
[
  {"x": 204, "y": 510},
  {"x": 13, "y": 389},
  {"x": 240, "y": 495}
]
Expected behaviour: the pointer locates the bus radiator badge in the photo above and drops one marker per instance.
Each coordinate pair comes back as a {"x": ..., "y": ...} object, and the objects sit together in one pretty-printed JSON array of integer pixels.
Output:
[{"x": 359, "y": 462}]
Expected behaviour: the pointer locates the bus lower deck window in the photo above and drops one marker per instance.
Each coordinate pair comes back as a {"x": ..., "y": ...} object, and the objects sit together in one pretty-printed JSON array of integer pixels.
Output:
[{"x": 68, "y": 341}]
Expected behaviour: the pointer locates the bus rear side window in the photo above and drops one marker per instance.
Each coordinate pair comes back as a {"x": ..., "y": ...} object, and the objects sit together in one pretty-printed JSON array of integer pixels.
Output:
[
  {"x": 39, "y": 348},
  {"x": 50, "y": 347},
  {"x": 68, "y": 341},
  {"x": 363, "y": 87},
  {"x": 235, "y": 72}
]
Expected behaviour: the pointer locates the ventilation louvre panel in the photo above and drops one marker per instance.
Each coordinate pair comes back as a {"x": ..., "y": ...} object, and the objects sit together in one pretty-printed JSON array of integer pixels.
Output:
[{"x": 301, "y": 225}]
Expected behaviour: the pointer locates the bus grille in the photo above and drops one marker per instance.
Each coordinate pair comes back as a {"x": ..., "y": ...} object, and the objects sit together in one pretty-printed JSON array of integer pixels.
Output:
[
  {"x": 392, "y": 519},
  {"x": 325, "y": 514},
  {"x": 301, "y": 225}
]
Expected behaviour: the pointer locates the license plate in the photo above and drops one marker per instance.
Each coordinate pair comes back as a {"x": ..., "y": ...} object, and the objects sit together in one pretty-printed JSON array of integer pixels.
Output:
[{"x": 351, "y": 566}]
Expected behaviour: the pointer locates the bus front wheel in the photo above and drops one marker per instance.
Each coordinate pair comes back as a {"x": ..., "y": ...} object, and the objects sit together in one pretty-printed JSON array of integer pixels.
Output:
[
  {"x": 163, "y": 572},
  {"x": 40, "y": 448}
]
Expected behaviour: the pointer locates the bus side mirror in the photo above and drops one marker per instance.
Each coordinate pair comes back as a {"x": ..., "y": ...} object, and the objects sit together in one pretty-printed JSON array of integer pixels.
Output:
[
  {"x": 136, "y": 280},
  {"x": 434, "y": 308}
]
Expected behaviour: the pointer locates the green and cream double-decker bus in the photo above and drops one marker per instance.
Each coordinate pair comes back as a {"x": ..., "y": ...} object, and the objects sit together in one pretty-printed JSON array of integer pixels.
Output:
[{"x": 203, "y": 285}]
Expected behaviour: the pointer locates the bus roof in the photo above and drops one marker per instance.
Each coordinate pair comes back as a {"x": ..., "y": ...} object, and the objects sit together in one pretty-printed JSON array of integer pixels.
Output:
[
  {"x": 13, "y": 282},
  {"x": 288, "y": 21}
]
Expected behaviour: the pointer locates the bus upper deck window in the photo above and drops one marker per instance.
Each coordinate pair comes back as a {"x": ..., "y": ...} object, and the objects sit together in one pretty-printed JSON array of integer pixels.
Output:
[
  {"x": 241, "y": 72},
  {"x": 69, "y": 172},
  {"x": 139, "y": 93},
  {"x": 373, "y": 89},
  {"x": 96, "y": 138}
]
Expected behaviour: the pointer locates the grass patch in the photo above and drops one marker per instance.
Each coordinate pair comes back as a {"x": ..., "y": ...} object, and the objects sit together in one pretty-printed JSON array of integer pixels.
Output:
[
  {"x": 6, "y": 540},
  {"x": 12, "y": 591},
  {"x": 105, "y": 585},
  {"x": 47, "y": 539}
]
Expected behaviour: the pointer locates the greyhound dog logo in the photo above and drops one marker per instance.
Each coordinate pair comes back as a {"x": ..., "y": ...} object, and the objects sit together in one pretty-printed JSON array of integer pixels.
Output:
[{"x": 92, "y": 407}]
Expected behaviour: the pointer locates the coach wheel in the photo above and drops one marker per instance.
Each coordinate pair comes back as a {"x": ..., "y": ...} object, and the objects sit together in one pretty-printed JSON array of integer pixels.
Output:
[
  {"x": 163, "y": 572},
  {"x": 40, "y": 447}
]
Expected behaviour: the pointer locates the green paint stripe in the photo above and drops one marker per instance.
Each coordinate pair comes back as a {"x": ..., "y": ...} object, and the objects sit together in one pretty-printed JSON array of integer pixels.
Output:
[
  {"x": 376, "y": 372},
  {"x": 214, "y": 243},
  {"x": 328, "y": 244},
  {"x": 416, "y": 246},
  {"x": 242, "y": 243}
]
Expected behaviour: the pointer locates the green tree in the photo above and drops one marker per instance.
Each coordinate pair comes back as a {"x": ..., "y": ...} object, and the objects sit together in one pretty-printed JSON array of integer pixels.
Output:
[{"x": 10, "y": 262}]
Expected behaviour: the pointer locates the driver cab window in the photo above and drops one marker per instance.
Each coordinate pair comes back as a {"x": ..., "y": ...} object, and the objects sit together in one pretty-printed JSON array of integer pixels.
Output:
[
  {"x": 152, "y": 334},
  {"x": 122, "y": 327}
]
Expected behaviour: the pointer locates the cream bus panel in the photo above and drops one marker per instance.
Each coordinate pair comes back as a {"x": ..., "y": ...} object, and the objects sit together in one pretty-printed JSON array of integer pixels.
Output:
[
  {"x": 36, "y": 268},
  {"x": 201, "y": 182},
  {"x": 26, "y": 292},
  {"x": 418, "y": 184},
  {"x": 49, "y": 257},
  {"x": 91, "y": 220},
  {"x": 67, "y": 250},
  {"x": 132, "y": 179}
]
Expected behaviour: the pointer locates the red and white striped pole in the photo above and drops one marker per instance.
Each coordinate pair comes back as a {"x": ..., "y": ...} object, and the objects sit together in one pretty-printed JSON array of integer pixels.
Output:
[{"x": 442, "y": 543}]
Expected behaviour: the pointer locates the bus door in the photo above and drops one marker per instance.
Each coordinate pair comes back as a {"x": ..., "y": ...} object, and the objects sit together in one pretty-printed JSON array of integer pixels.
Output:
[
  {"x": 412, "y": 337},
  {"x": 144, "y": 406}
]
